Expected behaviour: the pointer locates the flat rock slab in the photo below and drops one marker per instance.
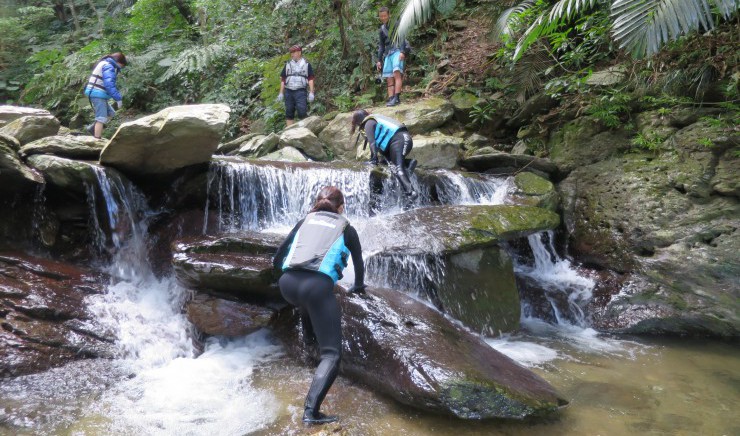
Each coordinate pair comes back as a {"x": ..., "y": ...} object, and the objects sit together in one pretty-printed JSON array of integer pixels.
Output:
[
  {"x": 9, "y": 113},
  {"x": 74, "y": 147},
  {"x": 240, "y": 267},
  {"x": 173, "y": 138},
  {"x": 505, "y": 163},
  {"x": 44, "y": 319},
  {"x": 403, "y": 348}
]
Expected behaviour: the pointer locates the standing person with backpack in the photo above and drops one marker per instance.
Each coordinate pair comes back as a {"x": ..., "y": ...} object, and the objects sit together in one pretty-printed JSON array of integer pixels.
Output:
[
  {"x": 296, "y": 85},
  {"x": 101, "y": 87},
  {"x": 391, "y": 57}
]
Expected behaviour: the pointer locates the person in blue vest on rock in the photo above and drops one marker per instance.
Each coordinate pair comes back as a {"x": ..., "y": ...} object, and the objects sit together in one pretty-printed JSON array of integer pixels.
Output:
[
  {"x": 391, "y": 138},
  {"x": 296, "y": 85},
  {"x": 101, "y": 87},
  {"x": 391, "y": 58},
  {"x": 312, "y": 259}
]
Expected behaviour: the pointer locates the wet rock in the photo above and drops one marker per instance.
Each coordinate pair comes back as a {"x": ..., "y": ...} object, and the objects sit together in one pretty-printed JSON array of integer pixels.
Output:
[
  {"x": 43, "y": 316},
  {"x": 533, "y": 190},
  {"x": 64, "y": 173},
  {"x": 497, "y": 162},
  {"x": 304, "y": 140},
  {"x": 585, "y": 141},
  {"x": 456, "y": 260},
  {"x": 31, "y": 127},
  {"x": 13, "y": 173},
  {"x": 259, "y": 146},
  {"x": 420, "y": 117},
  {"x": 168, "y": 140},
  {"x": 74, "y": 147},
  {"x": 287, "y": 154},
  {"x": 240, "y": 267},
  {"x": 436, "y": 150},
  {"x": 410, "y": 352},
  {"x": 219, "y": 317},
  {"x": 653, "y": 216}
]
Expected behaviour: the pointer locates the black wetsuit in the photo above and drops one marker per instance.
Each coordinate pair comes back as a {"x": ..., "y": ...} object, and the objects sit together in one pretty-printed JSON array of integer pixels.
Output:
[
  {"x": 313, "y": 293},
  {"x": 398, "y": 148}
]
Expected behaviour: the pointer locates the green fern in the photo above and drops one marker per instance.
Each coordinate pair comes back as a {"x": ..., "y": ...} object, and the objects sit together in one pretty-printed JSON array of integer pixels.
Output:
[{"x": 195, "y": 60}]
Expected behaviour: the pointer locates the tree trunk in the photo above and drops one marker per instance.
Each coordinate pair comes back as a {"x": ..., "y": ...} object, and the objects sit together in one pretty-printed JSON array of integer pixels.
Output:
[
  {"x": 60, "y": 11},
  {"x": 339, "y": 10},
  {"x": 185, "y": 11},
  {"x": 97, "y": 12},
  {"x": 74, "y": 16}
]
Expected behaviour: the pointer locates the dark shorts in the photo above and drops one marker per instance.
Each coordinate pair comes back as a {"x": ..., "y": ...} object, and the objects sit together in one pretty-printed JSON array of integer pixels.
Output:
[{"x": 296, "y": 100}]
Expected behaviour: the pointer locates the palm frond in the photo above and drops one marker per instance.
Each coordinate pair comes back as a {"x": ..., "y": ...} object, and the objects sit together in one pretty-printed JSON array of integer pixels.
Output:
[
  {"x": 643, "y": 26},
  {"x": 508, "y": 19},
  {"x": 418, "y": 12},
  {"x": 194, "y": 60},
  {"x": 560, "y": 13}
]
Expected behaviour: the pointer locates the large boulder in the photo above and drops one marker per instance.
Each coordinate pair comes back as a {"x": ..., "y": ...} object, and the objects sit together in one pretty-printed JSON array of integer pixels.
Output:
[
  {"x": 452, "y": 255},
  {"x": 658, "y": 219},
  {"x": 67, "y": 174},
  {"x": 405, "y": 349},
  {"x": 420, "y": 117},
  {"x": 240, "y": 267},
  {"x": 13, "y": 171},
  {"x": 463, "y": 102},
  {"x": 168, "y": 140},
  {"x": 10, "y": 113},
  {"x": 304, "y": 140},
  {"x": 75, "y": 147},
  {"x": 584, "y": 141},
  {"x": 436, "y": 150},
  {"x": 31, "y": 127},
  {"x": 44, "y": 317}
]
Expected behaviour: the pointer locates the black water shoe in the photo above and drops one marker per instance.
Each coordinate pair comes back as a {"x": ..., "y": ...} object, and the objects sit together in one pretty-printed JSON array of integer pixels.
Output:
[{"x": 317, "y": 418}]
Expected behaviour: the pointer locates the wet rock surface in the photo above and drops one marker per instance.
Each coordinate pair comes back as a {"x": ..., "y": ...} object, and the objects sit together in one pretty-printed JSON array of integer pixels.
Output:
[
  {"x": 410, "y": 352},
  {"x": 220, "y": 317},
  {"x": 43, "y": 319}
]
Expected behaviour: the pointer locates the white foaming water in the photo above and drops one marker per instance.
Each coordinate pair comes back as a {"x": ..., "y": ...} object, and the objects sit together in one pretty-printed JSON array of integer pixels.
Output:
[
  {"x": 208, "y": 395},
  {"x": 526, "y": 353},
  {"x": 566, "y": 289},
  {"x": 170, "y": 392}
]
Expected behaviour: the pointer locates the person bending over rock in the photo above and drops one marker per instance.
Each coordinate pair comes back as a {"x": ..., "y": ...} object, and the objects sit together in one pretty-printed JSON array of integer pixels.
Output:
[
  {"x": 312, "y": 259},
  {"x": 391, "y": 138}
]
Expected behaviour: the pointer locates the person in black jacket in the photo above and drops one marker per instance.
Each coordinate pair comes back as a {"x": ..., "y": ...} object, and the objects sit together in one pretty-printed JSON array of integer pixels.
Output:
[{"x": 312, "y": 258}]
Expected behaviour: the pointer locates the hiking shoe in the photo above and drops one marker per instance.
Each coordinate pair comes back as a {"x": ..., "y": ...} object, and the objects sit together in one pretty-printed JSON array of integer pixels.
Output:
[
  {"x": 394, "y": 101},
  {"x": 311, "y": 417}
]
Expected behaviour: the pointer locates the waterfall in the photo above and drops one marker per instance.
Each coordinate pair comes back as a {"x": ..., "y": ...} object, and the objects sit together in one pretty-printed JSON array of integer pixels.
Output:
[
  {"x": 567, "y": 290},
  {"x": 251, "y": 195}
]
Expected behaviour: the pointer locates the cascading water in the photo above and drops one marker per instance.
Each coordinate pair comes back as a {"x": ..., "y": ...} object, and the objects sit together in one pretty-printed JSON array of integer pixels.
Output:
[{"x": 564, "y": 287}]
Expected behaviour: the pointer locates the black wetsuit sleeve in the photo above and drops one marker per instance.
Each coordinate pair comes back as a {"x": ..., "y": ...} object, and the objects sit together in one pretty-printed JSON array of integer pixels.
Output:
[
  {"x": 370, "y": 134},
  {"x": 352, "y": 241},
  {"x": 381, "y": 43},
  {"x": 282, "y": 251}
]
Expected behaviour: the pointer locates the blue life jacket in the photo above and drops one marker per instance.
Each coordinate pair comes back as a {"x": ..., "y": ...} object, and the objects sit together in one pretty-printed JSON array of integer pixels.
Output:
[
  {"x": 318, "y": 245},
  {"x": 385, "y": 128}
]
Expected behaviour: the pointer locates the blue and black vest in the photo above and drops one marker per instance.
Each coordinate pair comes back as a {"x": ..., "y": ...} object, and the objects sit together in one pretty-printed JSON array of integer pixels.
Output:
[
  {"x": 318, "y": 245},
  {"x": 385, "y": 128}
]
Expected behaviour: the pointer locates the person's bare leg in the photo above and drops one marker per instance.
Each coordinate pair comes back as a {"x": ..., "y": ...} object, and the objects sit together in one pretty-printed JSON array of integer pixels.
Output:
[
  {"x": 391, "y": 87},
  {"x": 98, "y": 129},
  {"x": 289, "y": 122},
  {"x": 398, "y": 79}
]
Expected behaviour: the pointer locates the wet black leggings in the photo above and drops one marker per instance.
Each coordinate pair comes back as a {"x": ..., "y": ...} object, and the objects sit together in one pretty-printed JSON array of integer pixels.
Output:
[
  {"x": 313, "y": 293},
  {"x": 399, "y": 146}
]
